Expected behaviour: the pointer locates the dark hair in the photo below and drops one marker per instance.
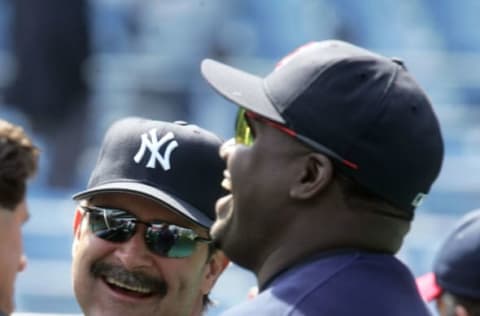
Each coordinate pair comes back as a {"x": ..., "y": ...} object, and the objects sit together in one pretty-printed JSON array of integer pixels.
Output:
[{"x": 18, "y": 162}]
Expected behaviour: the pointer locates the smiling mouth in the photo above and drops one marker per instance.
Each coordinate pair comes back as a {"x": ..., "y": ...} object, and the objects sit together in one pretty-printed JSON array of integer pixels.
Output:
[
  {"x": 138, "y": 291},
  {"x": 134, "y": 284}
]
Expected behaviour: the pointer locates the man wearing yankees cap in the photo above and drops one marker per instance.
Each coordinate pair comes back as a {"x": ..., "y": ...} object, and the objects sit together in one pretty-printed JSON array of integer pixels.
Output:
[
  {"x": 334, "y": 150},
  {"x": 141, "y": 241}
]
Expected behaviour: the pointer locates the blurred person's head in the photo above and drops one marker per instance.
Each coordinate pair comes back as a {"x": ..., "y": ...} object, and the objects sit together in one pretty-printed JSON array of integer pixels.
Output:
[
  {"x": 454, "y": 283},
  {"x": 18, "y": 162},
  {"x": 141, "y": 244},
  {"x": 334, "y": 149}
]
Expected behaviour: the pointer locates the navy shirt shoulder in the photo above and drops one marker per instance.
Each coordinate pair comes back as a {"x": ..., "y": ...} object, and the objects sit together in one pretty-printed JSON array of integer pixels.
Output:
[{"x": 353, "y": 283}]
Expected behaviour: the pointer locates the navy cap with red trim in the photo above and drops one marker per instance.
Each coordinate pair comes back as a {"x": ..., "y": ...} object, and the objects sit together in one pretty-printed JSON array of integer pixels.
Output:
[
  {"x": 456, "y": 268},
  {"x": 365, "y": 107}
]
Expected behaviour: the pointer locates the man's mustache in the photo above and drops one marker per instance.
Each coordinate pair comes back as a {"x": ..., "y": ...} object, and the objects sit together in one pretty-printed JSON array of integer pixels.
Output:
[{"x": 132, "y": 278}]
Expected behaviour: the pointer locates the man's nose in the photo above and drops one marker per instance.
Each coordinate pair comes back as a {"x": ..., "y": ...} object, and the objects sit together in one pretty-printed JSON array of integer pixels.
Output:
[{"x": 226, "y": 148}]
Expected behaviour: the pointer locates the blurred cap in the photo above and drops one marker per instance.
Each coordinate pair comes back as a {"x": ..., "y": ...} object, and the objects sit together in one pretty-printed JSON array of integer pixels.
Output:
[{"x": 456, "y": 268}]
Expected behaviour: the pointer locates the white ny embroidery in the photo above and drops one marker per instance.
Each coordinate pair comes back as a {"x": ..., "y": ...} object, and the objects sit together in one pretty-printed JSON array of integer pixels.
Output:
[{"x": 154, "y": 145}]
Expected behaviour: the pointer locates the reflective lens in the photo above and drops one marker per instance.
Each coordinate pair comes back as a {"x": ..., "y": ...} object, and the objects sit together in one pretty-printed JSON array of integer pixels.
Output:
[
  {"x": 243, "y": 133},
  {"x": 163, "y": 239}
]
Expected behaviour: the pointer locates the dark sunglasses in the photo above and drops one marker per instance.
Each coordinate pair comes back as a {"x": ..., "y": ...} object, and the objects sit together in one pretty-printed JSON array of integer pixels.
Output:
[
  {"x": 163, "y": 239},
  {"x": 244, "y": 135}
]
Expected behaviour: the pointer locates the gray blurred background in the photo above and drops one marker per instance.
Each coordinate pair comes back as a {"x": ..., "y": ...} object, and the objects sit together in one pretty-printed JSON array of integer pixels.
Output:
[{"x": 70, "y": 68}]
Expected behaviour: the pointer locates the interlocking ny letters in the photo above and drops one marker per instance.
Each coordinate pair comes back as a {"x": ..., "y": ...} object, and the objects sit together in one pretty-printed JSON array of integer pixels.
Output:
[{"x": 150, "y": 142}]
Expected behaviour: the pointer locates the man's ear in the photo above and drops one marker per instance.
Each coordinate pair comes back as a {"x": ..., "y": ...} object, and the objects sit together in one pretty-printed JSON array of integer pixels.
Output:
[
  {"x": 215, "y": 266},
  {"x": 77, "y": 220},
  {"x": 315, "y": 175},
  {"x": 77, "y": 229}
]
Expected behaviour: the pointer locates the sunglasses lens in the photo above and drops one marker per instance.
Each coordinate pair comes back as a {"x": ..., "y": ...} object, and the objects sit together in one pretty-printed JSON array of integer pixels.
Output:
[
  {"x": 243, "y": 133},
  {"x": 170, "y": 241},
  {"x": 111, "y": 227},
  {"x": 163, "y": 239}
]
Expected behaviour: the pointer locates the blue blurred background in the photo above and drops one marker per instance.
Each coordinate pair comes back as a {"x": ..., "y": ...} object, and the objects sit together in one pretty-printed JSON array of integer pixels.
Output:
[{"x": 70, "y": 68}]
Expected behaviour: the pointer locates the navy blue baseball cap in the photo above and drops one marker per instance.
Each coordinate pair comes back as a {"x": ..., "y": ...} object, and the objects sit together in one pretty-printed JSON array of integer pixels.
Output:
[
  {"x": 176, "y": 164},
  {"x": 456, "y": 268},
  {"x": 363, "y": 107}
]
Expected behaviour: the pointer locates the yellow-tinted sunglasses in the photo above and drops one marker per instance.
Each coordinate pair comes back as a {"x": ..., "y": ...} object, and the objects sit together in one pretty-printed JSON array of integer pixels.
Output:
[
  {"x": 243, "y": 132},
  {"x": 244, "y": 135}
]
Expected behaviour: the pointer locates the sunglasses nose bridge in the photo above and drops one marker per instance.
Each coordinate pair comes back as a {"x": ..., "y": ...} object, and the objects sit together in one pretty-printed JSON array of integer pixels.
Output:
[
  {"x": 140, "y": 230},
  {"x": 134, "y": 251},
  {"x": 149, "y": 236}
]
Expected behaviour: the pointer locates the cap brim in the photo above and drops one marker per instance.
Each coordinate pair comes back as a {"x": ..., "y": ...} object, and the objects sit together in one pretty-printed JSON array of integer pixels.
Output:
[
  {"x": 428, "y": 287},
  {"x": 240, "y": 87},
  {"x": 176, "y": 204}
]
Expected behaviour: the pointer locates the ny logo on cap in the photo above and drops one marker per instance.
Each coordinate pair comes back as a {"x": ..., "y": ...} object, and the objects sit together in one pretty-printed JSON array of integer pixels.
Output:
[{"x": 153, "y": 144}]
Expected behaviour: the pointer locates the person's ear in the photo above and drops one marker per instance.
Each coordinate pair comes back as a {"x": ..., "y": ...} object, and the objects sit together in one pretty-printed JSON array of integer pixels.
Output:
[
  {"x": 77, "y": 220},
  {"x": 215, "y": 266},
  {"x": 316, "y": 173},
  {"x": 77, "y": 228}
]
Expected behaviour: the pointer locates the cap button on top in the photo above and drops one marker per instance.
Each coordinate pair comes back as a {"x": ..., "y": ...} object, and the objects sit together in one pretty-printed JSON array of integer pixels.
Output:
[{"x": 399, "y": 62}]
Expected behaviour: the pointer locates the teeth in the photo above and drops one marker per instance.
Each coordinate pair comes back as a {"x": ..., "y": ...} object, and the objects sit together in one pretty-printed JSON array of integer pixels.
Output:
[
  {"x": 138, "y": 289},
  {"x": 226, "y": 183}
]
